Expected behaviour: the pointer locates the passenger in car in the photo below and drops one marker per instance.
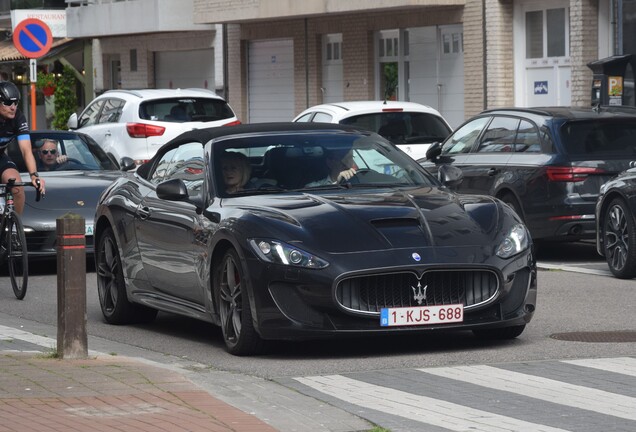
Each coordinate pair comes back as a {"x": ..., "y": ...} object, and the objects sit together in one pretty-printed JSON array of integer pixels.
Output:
[
  {"x": 341, "y": 167},
  {"x": 236, "y": 171},
  {"x": 48, "y": 158}
]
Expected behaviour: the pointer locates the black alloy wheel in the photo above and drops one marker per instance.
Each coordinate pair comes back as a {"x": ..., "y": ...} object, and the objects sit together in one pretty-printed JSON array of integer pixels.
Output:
[
  {"x": 619, "y": 239},
  {"x": 111, "y": 286},
  {"x": 239, "y": 333}
]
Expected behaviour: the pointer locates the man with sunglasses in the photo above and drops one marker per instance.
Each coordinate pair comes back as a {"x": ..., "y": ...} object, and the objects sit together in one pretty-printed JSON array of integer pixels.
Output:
[
  {"x": 49, "y": 158},
  {"x": 13, "y": 125}
]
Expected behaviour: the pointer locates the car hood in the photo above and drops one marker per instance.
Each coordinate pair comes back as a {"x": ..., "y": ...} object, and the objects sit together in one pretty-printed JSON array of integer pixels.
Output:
[
  {"x": 72, "y": 191},
  {"x": 356, "y": 220}
]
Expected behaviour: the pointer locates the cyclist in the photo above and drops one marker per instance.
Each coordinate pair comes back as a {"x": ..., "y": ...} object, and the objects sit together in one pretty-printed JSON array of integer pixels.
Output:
[{"x": 13, "y": 125}]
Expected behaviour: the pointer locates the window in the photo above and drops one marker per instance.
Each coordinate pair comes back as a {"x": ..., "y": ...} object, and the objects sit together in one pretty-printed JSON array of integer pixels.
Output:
[
  {"x": 322, "y": 118},
  {"x": 546, "y": 33},
  {"x": 556, "y": 32},
  {"x": 89, "y": 116},
  {"x": 452, "y": 43},
  {"x": 184, "y": 162},
  {"x": 388, "y": 45},
  {"x": 464, "y": 138},
  {"x": 500, "y": 135},
  {"x": 160, "y": 171},
  {"x": 527, "y": 138},
  {"x": 333, "y": 50},
  {"x": 111, "y": 111}
]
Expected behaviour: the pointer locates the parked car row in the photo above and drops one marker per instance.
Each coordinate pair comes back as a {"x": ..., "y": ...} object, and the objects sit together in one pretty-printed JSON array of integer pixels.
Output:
[{"x": 554, "y": 167}]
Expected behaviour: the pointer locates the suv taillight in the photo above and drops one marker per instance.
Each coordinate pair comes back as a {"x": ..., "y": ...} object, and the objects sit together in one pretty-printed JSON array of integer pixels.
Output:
[
  {"x": 571, "y": 174},
  {"x": 234, "y": 123},
  {"x": 142, "y": 130}
]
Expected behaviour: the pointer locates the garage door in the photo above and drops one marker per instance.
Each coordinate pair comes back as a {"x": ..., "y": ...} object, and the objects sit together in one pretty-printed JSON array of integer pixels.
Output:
[
  {"x": 185, "y": 69},
  {"x": 271, "y": 80}
]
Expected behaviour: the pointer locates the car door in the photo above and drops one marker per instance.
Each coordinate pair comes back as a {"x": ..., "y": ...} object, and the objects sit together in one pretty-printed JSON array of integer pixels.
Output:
[
  {"x": 487, "y": 167},
  {"x": 456, "y": 149},
  {"x": 110, "y": 132},
  {"x": 168, "y": 232}
]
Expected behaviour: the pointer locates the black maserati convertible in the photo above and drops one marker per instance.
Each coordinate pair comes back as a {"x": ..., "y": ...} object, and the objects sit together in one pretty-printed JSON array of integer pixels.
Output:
[{"x": 298, "y": 231}]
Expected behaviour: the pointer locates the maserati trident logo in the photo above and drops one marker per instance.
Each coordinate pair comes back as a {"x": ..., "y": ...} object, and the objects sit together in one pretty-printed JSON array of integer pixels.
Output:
[{"x": 419, "y": 293}]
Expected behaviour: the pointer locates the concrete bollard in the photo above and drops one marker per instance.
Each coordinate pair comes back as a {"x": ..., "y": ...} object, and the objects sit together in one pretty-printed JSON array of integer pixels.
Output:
[{"x": 72, "y": 340}]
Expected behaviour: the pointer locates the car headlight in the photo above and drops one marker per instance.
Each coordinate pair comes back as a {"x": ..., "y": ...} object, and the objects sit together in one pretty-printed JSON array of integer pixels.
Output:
[
  {"x": 516, "y": 241},
  {"x": 277, "y": 252}
]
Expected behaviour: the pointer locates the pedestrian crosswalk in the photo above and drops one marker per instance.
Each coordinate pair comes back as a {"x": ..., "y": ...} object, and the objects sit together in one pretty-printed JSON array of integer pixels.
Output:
[{"x": 572, "y": 395}]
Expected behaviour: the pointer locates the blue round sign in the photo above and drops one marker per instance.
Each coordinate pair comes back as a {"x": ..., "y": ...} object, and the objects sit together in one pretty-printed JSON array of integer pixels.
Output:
[{"x": 32, "y": 38}]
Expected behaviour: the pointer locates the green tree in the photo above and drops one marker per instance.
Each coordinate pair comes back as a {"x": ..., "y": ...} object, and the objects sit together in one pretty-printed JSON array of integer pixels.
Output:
[{"x": 65, "y": 98}]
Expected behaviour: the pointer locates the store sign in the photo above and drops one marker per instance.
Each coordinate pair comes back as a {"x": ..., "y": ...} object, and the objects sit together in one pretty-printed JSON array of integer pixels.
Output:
[{"x": 55, "y": 19}]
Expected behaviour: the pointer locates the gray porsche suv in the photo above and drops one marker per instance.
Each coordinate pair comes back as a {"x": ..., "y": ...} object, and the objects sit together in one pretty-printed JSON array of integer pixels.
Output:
[{"x": 546, "y": 163}]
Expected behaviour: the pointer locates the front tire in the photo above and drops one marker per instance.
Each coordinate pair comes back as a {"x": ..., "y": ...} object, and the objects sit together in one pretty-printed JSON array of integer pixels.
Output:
[
  {"x": 619, "y": 239},
  {"x": 111, "y": 286},
  {"x": 17, "y": 256},
  {"x": 235, "y": 313}
]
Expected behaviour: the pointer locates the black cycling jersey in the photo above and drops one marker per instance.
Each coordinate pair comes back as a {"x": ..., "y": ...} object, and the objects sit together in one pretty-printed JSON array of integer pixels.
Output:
[{"x": 12, "y": 128}]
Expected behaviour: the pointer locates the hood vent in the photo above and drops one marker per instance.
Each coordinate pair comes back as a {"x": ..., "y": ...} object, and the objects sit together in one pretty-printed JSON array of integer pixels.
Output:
[{"x": 401, "y": 232}]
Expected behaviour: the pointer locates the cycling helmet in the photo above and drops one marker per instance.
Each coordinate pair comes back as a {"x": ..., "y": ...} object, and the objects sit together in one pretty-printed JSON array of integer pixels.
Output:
[{"x": 9, "y": 92}]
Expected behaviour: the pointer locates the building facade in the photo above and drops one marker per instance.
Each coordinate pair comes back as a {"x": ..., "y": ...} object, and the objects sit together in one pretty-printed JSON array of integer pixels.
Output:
[{"x": 271, "y": 59}]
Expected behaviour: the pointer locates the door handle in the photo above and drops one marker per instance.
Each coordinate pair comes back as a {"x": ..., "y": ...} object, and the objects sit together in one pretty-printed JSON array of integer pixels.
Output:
[
  {"x": 107, "y": 134},
  {"x": 143, "y": 212},
  {"x": 493, "y": 171}
]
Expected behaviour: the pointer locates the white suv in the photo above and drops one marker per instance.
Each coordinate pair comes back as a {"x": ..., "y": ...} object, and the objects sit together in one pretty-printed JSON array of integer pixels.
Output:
[
  {"x": 135, "y": 123},
  {"x": 411, "y": 126}
]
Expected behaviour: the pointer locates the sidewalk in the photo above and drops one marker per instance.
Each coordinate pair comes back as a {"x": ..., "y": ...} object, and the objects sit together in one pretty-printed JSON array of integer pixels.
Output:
[
  {"x": 122, "y": 388},
  {"x": 107, "y": 393}
]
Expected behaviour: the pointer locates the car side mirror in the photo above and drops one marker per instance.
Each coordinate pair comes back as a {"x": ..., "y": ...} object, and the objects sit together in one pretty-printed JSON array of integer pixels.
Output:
[
  {"x": 450, "y": 175},
  {"x": 172, "y": 190},
  {"x": 127, "y": 164},
  {"x": 72, "y": 123},
  {"x": 434, "y": 151}
]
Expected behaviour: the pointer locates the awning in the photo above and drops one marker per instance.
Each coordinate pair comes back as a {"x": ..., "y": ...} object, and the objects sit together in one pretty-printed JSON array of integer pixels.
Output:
[{"x": 9, "y": 53}]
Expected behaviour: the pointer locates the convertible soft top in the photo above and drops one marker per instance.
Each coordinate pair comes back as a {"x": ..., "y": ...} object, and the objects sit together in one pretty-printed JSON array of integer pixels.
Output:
[{"x": 205, "y": 135}]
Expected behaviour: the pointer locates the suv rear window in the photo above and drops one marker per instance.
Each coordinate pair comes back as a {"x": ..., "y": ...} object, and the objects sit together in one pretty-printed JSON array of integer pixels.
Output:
[
  {"x": 179, "y": 110},
  {"x": 602, "y": 137},
  {"x": 402, "y": 127}
]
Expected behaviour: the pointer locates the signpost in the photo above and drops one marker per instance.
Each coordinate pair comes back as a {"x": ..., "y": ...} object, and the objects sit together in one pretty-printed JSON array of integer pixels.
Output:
[{"x": 33, "y": 39}]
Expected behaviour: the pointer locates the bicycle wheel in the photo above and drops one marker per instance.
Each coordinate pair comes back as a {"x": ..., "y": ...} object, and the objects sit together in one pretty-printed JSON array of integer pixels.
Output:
[{"x": 17, "y": 256}]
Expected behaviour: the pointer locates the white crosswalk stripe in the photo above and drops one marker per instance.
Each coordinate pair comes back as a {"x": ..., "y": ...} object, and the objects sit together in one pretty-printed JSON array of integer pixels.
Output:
[
  {"x": 542, "y": 388},
  {"x": 621, "y": 365},
  {"x": 540, "y": 395},
  {"x": 447, "y": 415}
]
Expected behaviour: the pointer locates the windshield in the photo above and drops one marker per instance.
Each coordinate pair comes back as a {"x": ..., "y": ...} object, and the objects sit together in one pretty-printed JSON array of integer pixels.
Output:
[
  {"x": 402, "y": 127},
  {"x": 63, "y": 151},
  {"x": 310, "y": 162},
  {"x": 185, "y": 109}
]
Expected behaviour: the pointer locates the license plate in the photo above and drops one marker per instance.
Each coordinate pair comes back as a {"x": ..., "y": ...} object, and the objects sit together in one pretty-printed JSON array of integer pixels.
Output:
[
  {"x": 421, "y": 315},
  {"x": 88, "y": 230}
]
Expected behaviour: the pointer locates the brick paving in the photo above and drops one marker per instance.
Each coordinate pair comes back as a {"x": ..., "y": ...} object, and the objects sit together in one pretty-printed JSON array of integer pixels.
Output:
[{"x": 108, "y": 393}]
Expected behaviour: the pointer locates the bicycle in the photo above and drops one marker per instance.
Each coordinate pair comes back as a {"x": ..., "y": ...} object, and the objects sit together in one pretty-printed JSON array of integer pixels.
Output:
[{"x": 13, "y": 245}]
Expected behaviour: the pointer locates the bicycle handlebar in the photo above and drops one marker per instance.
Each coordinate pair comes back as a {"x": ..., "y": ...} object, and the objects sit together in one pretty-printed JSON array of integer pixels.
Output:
[{"x": 12, "y": 183}]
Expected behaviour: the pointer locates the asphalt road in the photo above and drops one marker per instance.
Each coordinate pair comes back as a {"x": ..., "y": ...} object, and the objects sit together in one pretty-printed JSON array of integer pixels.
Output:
[{"x": 582, "y": 299}]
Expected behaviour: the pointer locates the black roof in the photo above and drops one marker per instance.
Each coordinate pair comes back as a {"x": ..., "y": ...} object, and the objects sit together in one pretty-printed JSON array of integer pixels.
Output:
[
  {"x": 207, "y": 134},
  {"x": 570, "y": 112}
]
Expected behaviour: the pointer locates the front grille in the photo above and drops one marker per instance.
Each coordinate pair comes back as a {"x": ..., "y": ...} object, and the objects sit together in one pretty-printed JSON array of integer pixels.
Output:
[{"x": 370, "y": 293}]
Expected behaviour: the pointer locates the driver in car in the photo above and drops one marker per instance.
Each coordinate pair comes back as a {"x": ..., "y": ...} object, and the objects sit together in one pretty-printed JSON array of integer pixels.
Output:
[
  {"x": 341, "y": 168},
  {"x": 48, "y": 157}
]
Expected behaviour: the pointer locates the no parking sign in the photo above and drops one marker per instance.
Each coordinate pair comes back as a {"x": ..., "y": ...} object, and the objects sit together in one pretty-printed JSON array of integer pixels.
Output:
[{"x": 32, "y": 38}]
